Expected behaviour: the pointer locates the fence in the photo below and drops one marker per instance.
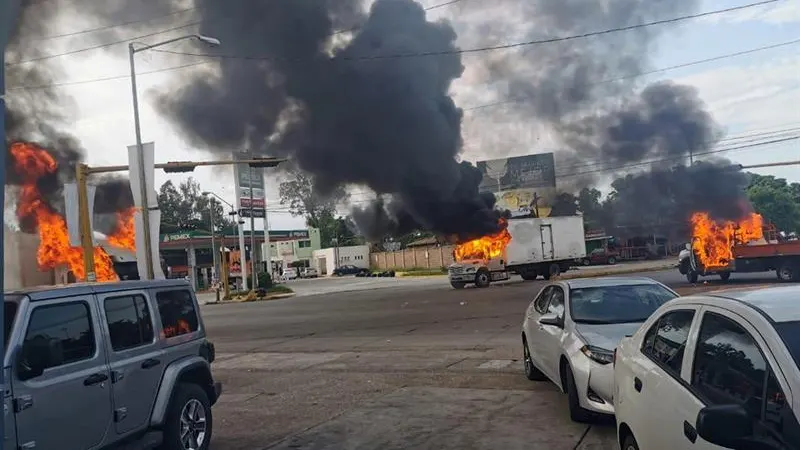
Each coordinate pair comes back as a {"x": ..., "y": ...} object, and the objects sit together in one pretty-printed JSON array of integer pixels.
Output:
[{"x": 431, "y": 257}]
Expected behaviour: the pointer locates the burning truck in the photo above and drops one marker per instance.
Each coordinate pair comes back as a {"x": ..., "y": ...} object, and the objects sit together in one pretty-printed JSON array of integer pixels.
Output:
[
  {"x": 749, "y": 245},
  {"x": 529, "y": 247}
]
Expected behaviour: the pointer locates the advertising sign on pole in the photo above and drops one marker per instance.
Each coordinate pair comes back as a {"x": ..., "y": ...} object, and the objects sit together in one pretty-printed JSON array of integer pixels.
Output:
[
  {"x": 524, "y": 185},
  {"x": 71, "y": 212},
  {"x": 154, "y": 214}
]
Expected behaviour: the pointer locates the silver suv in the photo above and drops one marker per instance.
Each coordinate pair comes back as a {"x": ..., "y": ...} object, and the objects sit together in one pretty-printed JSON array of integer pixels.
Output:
[{"x": 121, "y": 365}]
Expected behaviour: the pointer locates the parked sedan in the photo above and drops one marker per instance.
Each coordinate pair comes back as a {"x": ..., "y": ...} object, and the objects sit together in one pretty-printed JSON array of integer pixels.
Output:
[
  {"x": 572, "y": 327},
  {"x": 348, "y": 269},
  {"x": 711, "y": 371}
]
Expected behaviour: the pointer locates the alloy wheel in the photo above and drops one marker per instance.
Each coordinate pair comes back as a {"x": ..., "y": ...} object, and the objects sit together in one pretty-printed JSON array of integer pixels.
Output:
[{"x": 193, "y": 425}]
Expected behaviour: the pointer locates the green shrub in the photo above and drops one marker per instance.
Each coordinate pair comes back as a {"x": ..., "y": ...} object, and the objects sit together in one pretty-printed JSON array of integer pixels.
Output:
[{"x": 264, "y": 280}]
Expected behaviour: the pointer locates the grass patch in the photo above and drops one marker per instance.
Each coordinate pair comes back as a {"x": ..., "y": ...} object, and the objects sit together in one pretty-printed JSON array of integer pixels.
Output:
[
  {"x": 259, "y": 294},
  {"x": 279, "y": 289},
  {"x": 423, "y": 272}
]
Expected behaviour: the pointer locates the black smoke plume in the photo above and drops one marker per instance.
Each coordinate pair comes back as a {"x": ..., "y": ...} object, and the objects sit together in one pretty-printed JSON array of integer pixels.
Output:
[
  {"x": 42, "y": 115},
  {"x": 609, "y": 123},
  {"x": 389, "y": 124}
]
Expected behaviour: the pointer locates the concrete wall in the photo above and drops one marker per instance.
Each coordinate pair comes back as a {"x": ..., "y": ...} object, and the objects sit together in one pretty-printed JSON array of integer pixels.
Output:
[
  {"x": 430, "y": 257},
  {"x": 20, "y": 268}
]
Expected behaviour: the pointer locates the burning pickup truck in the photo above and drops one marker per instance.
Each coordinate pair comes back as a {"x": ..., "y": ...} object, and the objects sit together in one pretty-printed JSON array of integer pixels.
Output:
[
  {"x": 528, "y": 247},
  {"x": 749, "y": 245}
]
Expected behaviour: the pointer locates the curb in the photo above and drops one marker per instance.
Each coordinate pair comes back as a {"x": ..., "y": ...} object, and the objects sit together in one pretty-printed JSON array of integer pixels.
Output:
[
  {"x": 257, "y": 299},
  {"x": 607, "y": 273}
]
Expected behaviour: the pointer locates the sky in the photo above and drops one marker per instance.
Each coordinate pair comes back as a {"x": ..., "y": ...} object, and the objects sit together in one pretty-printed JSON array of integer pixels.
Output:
[{"x": 748, "y": 94}]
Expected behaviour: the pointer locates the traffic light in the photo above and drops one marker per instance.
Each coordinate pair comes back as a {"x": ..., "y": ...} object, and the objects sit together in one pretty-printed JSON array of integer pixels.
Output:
[{"x": 179, "y": 166}]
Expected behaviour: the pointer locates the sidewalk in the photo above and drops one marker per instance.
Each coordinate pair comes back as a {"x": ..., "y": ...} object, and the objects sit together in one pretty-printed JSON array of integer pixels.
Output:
[{"x": 621, "y": 268}]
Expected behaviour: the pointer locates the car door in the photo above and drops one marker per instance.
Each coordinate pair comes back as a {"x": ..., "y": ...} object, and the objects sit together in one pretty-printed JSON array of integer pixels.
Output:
[
  {"x": 134, "y": 358},
  {"x": 731, "y": 364},
  {"x": 68, "y": 406},
  {"x": 656, "y": 380},
  {"x": 553, "y": 336},
  {"x": 538, "y": 338}
]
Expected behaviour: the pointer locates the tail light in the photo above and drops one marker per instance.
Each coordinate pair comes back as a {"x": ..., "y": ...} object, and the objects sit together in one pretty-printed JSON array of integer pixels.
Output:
[{"x": 208, "y": 352}]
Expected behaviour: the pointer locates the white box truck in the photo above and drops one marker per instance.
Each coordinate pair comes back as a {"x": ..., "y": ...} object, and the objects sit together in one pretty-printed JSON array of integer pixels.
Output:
[{"x": 539, "y": 246}]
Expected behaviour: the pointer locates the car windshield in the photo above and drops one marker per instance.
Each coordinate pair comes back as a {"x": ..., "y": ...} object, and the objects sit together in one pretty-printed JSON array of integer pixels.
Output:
[
  {"x": 790, "y": 333},
  {"x": 617, "y": 304}
]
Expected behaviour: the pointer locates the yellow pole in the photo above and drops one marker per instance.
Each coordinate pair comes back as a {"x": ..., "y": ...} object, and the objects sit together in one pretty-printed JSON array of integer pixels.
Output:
[
  {"x": 81, "y": 171},
  {"x": 225, "y": 270}
]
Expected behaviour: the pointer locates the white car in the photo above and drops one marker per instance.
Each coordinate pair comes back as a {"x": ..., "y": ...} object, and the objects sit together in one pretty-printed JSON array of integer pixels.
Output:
[
  {"x": 572, "y": 327},
  {"x": 289, "y": 273},
  {"x": 711, "y": 371}
]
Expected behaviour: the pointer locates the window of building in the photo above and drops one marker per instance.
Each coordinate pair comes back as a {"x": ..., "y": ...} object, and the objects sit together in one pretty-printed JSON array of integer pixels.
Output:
[
  {"x": 67, "y": 328},
  {"x": 304, "y": 244},
  {"x": 177, "y": 312},
  {"x": 666, "y": 340},
  {"x": 129, "y": 322}
]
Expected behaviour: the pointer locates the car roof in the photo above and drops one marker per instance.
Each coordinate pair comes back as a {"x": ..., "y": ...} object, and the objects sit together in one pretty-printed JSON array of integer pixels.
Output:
[
  {"x": 39, "y": 293},
  {"x": 777, "y": 303},
  {"x": 578, "y": 283}
]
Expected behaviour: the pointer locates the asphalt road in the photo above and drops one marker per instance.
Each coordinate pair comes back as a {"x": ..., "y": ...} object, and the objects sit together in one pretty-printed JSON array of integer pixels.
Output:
[{"x": 410, "y": 365}]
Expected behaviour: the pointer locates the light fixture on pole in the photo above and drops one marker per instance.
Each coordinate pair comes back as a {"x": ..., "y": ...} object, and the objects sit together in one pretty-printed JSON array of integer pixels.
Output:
[{"x": 132, "y": 50}]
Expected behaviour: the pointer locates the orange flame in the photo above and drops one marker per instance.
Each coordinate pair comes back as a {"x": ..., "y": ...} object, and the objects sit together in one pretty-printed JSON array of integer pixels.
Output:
[
  {"x": 713, "y": 241},
  {"x": 486, "y": 247},
  {"x": 33, "y": 163},
  {"x": 124, "y": 236}
]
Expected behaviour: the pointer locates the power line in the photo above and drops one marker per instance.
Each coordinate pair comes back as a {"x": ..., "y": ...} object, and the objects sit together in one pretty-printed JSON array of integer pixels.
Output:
[
  {"x": 472, "y": 108},
  {"x": 109, "y": 27},
  {"x": 650, "y": 72},
  {"x": 99, "y": 46},
  {"x": 492, "y": 47}
]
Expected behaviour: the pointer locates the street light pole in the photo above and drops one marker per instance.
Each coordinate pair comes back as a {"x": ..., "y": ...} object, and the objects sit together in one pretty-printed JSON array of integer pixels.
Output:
[
  {"x": 214, "y": 248},
  {"x": 148, "y": 252},
  {"x": 254, "y": 284}
]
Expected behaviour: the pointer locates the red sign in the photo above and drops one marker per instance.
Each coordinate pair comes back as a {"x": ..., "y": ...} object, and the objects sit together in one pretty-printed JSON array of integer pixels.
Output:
[{"x": 257, "y": 202}]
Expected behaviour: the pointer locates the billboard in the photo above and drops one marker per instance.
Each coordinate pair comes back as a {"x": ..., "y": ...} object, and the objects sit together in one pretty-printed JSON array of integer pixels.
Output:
[
  {"x": 524, "y": 185},
  {"x": 249, "y": 179}
]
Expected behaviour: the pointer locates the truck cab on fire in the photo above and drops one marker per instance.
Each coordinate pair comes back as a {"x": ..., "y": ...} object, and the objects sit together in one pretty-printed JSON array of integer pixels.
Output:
[{"x": 110, "y": 365}]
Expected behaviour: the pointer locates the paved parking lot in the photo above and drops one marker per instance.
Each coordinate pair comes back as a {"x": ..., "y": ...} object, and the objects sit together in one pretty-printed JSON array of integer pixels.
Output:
[{"x": 404, "y": 366}]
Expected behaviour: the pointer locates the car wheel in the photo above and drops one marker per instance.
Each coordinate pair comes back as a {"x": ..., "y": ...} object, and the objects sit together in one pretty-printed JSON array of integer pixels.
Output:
[
  {"x": 189, "y": 421},
  {"x": 630, "y": 443},
  {"x": 787, "y": 272},
  {"x": 725, "y": 276},
  {"x": 457, "y": 284},
  {"x": 531, "y": 371},
  {"x": 612, "y": 260},
  {"x": 576, "y": 412},
  {"x": 482, "y": 279},
  {"x": 553, "y": 271},
  {"x": 691, "y": 276},
  {"x": 586, "y": 262}
]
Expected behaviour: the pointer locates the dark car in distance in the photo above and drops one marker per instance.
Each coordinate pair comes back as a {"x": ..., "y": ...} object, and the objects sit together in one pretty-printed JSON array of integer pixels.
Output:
[{"x": 349, "y": 269}]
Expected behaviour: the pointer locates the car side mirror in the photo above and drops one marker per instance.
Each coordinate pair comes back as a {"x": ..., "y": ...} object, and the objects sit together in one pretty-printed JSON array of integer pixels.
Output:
[
  {"x": 551, "y": 320},
  {"x": 33, "y": 358},
  {"x": 729, "y": 426}
]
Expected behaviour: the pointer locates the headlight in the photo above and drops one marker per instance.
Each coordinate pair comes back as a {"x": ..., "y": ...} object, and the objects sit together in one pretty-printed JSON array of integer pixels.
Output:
[
  {"x": 598, "y": 355},
  {"x": 470, "y": 270}
]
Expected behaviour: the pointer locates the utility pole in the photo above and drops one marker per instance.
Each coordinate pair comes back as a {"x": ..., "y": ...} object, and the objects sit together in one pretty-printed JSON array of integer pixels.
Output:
[
  {"x": 8, "y": 17},
  {"x": 85, "y": 223},
  {"x": 148, "y": 250},
  {"x": 214, "y": 249},
  {"x": 253, "y": 229}
]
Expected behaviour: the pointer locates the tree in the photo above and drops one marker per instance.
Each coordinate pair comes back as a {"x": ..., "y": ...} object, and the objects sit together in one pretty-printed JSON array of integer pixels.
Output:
[
  {"x": 185, "y": 208},
  {"x": 305, "y": 199},
  {"x": 777, "y": 200},
  {"x": 565, "y": 204}
]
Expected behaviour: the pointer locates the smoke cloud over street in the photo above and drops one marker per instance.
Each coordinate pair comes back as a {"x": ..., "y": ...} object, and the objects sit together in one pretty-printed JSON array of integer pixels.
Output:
[{"x": 339, "y": 86}]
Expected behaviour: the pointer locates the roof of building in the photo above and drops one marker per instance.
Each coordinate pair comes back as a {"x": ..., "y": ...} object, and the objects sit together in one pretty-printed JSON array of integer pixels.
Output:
[
  {"x": 52, "y": 292},
  {"x": 433, "y": 240},
  {"x": 779, "y": 303}
]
